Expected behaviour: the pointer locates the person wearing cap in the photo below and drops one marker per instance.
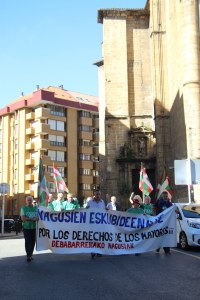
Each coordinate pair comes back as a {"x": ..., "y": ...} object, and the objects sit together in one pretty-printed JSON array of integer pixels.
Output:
[
  {"x": 135, "y": 208},
  {"x": 29, "y": 217},
  {"x": 133, "y": 197}
]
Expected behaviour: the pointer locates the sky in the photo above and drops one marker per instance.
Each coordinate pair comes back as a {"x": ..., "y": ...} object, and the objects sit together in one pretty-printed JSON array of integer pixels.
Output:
[{"x": 51, "y": 43}]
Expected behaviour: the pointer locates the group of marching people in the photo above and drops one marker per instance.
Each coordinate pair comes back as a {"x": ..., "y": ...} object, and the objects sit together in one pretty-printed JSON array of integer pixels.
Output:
[{"x": 29, "y": 212}]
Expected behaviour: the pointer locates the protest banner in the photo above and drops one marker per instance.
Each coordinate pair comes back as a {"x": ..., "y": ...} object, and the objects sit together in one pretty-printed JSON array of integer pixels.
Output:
[{"x": 104, "y": 232}]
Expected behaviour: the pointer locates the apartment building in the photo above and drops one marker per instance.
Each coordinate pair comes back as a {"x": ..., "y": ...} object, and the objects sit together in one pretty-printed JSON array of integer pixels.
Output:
[{"x": 61, "y": 126}]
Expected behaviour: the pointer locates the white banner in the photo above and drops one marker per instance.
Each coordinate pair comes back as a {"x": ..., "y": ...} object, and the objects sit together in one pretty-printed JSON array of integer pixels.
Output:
[{"x": 105, "y": 232}]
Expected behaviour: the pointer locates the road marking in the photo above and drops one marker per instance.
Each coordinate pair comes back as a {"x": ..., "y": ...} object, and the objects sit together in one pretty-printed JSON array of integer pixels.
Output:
[{"x": 185, "y": 253}]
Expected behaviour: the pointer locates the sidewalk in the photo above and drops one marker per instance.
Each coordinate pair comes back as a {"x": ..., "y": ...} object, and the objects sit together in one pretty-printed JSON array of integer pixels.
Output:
[{"x": 11, "y": 234}]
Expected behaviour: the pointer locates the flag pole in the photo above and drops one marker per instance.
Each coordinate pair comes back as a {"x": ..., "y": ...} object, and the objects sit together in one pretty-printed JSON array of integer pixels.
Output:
[{"x": 141, "y": 166}]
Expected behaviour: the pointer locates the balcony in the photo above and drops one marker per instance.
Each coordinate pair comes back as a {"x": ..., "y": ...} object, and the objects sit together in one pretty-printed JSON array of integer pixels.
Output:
[
  {"x": 96, "y": 123},
  {"x": 85, "y": 164},
  {"x": 42, "y": 129},
  {"x": 42, "y": 145},
  {"x": 29, "y": 177},
  {"x": 42, "y": 113},
  {"x": 96, "y": 151},
  {"x": 85, "y": 135},
  {"x": 29, "y": 192},
  {"x": 29, "y": 162},
  {"x": 86, "y": 179},
  {"x": 29, "y": 146},
  {"x": 85, "y": 121},
  {"x": 30, "y": 131},
  {"x": 96, "y": 136},
  {"x": 86, "y": 149},
  {"x": 30, "y": 116}
]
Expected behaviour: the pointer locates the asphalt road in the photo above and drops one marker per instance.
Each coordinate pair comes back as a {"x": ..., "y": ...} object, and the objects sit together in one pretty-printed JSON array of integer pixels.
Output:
[{"x": 49, "y": 276}]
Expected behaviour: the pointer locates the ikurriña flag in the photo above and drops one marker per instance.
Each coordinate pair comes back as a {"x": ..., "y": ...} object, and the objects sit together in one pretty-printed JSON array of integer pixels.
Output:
[
  {"x": 164, "y": 186},
  {"x": 43, "y": 192},
  {"x": 59, "y": 182},
  {"x": 145, "y": 184}
]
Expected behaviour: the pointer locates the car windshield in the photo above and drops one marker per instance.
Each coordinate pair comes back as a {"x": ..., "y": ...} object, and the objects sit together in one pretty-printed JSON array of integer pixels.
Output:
[{"x": 190, "y": 211}]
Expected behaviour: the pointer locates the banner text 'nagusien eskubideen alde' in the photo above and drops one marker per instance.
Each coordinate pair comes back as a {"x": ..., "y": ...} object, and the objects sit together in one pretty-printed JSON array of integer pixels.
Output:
[{"x": 104, "y": 232}]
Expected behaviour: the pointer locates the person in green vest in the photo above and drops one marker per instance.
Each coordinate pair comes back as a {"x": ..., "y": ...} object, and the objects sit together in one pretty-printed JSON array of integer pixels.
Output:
[
  {"x": 29, "y": 217},
  {"x": 135, "y": 207},
  {"x": 71, "y": 203},
  {"x": 50, "y": 201},
  {"x": 57, "y": 204},
  {"x": 147, "y": 206}
]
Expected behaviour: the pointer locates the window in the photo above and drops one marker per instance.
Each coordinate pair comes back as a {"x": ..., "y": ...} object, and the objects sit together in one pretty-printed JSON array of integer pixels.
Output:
[
  {"x": 57, "y": 110},
  {"x": 34, "y": 124},
  {"x": 56, "y": 125},
  {"x": 56, "y": 155},
  {"x": 16, "y": 130},
  {"x": 96, "y": 158},
  {"x": 16, "y": 144},
  {"x": 96, "y": 130},
  {"x": 51, "y": 187},
  {"x": 15, "y": 174},
  {"x": 16, "y": 159},
  {"x": 83, "y": 156},
  {"x": 60, "y": 169},
  {"x": 95, "y": 173},
  {"x": 16, "y": 115},
  {"x": 95, "y": 144},
  {"x": 84, "y": 113},
  {"x": 15, "y": 189},
  {"x": 60, "y": 125},
  {"x": 56, "y": 140},
  {"x": 85, "y": 186},
  {"x": 84, "y": 142},
  {"x": 84, "y": 128},
  {"x": 84, "y": 171}
]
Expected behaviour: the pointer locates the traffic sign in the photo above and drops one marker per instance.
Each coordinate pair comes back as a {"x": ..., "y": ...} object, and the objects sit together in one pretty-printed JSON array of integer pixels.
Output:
[{"x": 4, "y": 188}]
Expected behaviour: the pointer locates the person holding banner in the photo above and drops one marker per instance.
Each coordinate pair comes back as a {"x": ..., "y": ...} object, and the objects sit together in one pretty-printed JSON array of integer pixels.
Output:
[
  {"x": 161, "y": 204},
  {"x": 71, "y": 203},
  {"x": 58, "y": 203},
  {"x": 29, "y": 217},
  {"x": 112, "y": 205},
  {"x": 135, "y": 209},
  {"x": 96, "y": 202},
  {"x": 147, "y": 206},
  {"x": 50, "y": 201},
  {"x": 133, "y": 197}
]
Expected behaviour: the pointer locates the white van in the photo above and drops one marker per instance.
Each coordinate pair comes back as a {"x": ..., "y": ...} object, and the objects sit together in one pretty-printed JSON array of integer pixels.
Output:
[{"x": 188, "y": 225}]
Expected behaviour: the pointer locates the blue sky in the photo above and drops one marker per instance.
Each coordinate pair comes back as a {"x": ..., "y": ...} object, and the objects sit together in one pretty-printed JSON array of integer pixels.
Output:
[{"x": 51, "y": 42}]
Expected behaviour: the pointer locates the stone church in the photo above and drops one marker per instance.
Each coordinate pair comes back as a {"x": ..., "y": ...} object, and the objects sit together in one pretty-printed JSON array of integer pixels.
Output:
[{"x": 149, "y": 94}]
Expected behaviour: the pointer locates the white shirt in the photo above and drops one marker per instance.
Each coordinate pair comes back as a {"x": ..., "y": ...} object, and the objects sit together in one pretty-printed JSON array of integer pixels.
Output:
[
  {"x": 111, "y": 206},
  {"x": 96, "y": 204}
]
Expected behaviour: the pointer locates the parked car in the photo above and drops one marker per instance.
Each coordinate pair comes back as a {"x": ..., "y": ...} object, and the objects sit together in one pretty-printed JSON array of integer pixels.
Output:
[
  {"x": 188, "y": 225},
  {"x": 9, "y": 225}
]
